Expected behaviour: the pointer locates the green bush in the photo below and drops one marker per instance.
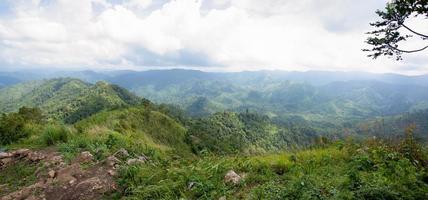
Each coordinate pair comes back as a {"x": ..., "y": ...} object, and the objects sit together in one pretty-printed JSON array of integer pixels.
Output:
[
  {"x": 54, "y": 134},
  {"x": 11, "y": 128}
]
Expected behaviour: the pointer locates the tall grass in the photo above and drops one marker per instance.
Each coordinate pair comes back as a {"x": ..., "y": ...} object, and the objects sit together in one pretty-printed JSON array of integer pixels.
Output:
[{"x": 54, "y": 134}]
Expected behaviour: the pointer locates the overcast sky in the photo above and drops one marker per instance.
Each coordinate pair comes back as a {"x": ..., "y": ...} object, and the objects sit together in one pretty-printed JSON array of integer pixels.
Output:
[{"x": 226, "y": 35}]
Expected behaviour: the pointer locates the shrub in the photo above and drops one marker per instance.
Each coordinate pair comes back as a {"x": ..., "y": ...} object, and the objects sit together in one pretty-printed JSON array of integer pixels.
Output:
[
  {"x": 411, "y": 149},
  {"x": 54, "y": 134},
  {"x": 11, "y": 128},
  {"x": 13, "y": 125}
]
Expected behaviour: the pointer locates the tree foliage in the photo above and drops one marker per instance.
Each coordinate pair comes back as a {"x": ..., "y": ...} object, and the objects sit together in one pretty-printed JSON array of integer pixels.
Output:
[
  {"x": 388, "y": 34},
  {"x": 12, "y": 125}
]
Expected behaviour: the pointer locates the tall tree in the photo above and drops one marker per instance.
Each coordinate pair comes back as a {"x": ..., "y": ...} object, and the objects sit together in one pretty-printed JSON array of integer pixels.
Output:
[{"x": 388, "y": 34}]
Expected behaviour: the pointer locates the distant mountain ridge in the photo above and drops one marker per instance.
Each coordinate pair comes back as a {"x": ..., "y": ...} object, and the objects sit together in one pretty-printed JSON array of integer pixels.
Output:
[
  {"x": 312, "y": 95},
  {"x": 311, "y": 77}
]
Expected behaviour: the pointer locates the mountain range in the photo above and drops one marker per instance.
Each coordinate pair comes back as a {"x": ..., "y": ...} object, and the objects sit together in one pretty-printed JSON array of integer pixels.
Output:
[
  {"x": 282, "y": 138},
  {"x": 315, "y": 95}
]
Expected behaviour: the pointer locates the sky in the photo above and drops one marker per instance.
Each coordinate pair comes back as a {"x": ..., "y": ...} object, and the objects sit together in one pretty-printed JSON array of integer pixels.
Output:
[{"x": 211, "y": 35}]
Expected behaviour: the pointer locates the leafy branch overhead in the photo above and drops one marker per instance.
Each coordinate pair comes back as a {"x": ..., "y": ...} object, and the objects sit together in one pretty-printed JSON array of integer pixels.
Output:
[{"x": 389, "y": 31}]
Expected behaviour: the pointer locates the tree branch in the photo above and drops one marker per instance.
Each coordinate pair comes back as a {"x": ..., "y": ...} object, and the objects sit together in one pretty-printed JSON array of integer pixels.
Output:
[
  {"x": 407, "y": 51},
  {"x": 420, "y": 34}
]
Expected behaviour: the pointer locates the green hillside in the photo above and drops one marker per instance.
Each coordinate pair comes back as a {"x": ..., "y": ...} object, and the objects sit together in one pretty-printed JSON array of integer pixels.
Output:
[
  {"x": 151, "y": 151},
  {"x": 145, "y": 128},
  {"x": 228, "y": 132},
  {"x": 67, "y": 99}
]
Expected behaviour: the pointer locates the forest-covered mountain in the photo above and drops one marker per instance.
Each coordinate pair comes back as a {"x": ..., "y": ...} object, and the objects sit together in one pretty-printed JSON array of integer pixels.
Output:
[
  {"x": 67, "y": 99},
  {"x": 315, "y": 96},
  {"x": 83, "y": 136},
  {"x": 324, "y": 97}
]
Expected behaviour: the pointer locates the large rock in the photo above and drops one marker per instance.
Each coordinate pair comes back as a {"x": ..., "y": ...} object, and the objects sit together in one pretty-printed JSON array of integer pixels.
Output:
[
  {"x": 232, "y": 177},
  {"x": 5, "y": 155},
  {"x": 22, "y": 152}
]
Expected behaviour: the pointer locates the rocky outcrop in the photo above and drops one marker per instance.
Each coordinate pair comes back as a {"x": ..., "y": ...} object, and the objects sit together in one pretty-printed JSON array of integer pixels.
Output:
[{"x": 61, "y": 181}]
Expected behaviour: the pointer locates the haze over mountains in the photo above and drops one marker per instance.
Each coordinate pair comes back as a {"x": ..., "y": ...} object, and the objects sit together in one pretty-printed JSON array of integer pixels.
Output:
[
  {"x": 313, "y": 95},
  {"x": 313, "y": 77}
]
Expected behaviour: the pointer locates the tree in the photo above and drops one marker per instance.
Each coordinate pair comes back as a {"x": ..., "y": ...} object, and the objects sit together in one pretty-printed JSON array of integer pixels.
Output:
[
  {"x": 31, "y": 114},
  {"x": 389, "y": 31},
  {"x": 11, "y": 128},
  {"x": 12, "y": 125}
]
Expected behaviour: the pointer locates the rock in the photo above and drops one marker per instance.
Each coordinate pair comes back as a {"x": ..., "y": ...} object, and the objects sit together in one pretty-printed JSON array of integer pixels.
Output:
[
  {"x": 6, "y": 161},
  {"x": 24, "y": 193},
  {"x": 85, "y": 156},
  {"x": 232, "y": 177},
  {"x": 56, "y": 160},
  {"x": 22, "y": 152},
  {"x": 69, "y": 174},
  {"x": 52, "y": 174},
  {"x": 92, "y": 184},
  {"x": 5, "y": 155},
  {"x": 122, "y": 153},
  {"x": 190, "y": 185},
  {"x": 133, "y": 161},
  {"x": 112, "y": 161},
  {"x": 143, "y": 158},
  {"x": 35, "y": 156}
]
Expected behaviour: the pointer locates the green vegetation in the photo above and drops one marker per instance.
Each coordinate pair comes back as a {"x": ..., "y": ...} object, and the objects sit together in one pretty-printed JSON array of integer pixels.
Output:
[
  {"x": 15, "y": 126},
  {"x": 320, "y": 97},
  {"x": 66, "y": 99},
  {"x": 228, "y": 132},
  {"x": 338, "y": 171},
  {"x": 54, "y": 134},
  {"x": 277, "y": 157},
  {"x": 394, "y": 126}
]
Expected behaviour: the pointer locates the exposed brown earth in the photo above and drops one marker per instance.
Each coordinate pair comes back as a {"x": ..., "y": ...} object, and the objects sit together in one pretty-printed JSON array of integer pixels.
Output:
[{"x": 83, "y": 178}]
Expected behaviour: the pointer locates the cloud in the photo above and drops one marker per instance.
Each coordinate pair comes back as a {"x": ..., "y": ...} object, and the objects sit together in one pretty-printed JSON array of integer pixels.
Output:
[{"x": 228, "y": 34}]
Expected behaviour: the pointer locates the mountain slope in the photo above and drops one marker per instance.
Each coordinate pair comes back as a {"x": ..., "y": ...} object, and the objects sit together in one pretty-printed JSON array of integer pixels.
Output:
[
  {"x": 149, "y": 130},
  {"x": 66, "y": 98}
]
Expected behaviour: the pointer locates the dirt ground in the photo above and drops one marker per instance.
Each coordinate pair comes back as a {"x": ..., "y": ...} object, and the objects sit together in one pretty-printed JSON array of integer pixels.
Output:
[{"x": 83, "y": 178}]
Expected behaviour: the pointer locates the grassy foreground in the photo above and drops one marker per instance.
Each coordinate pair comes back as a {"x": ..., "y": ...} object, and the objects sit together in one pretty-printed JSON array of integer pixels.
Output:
[
  {"x": 374, "y": 169},
  {"x": 339, "y": 171}
]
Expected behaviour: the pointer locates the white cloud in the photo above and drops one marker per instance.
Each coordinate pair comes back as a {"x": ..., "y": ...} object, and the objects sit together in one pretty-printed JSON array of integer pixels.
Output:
[{"x": 232, "y": 35}]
